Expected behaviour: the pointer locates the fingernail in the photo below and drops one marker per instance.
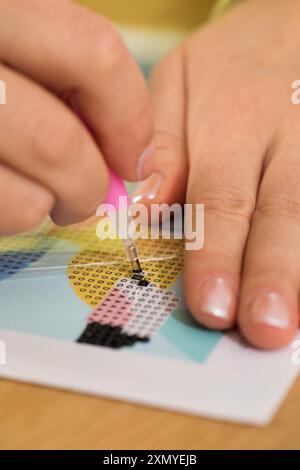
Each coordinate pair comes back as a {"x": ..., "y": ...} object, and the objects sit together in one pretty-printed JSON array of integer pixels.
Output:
[
  {"x": 145, "y": 163},
  {"x": 149, "y": 188},
  {"x": 216, "y": 298},
  {"x": 270, "y": 309}
]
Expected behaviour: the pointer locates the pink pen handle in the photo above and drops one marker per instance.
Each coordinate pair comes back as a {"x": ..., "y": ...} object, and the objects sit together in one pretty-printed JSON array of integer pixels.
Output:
[{"x": 116, "y": 189}]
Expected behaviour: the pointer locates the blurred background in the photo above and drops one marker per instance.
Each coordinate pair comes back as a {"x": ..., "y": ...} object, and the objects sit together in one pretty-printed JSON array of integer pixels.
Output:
[
  {"x": 152, "y": 28},
  {"x": 167, "y": 14}
]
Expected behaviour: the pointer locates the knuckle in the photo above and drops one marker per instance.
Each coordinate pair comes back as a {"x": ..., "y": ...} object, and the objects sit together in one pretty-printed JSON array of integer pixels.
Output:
[
  {"x": 99, "y": 35},
  {"x": 111, "y": 46},
  {"x": 232, "y": 204},
  {"x": 54, "y": 144}
]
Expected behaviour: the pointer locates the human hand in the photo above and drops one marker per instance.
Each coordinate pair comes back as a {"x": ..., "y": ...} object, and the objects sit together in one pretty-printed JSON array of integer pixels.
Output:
[
  {"x": 228, "y": 136},
  {"x": 49, "y": 162}
]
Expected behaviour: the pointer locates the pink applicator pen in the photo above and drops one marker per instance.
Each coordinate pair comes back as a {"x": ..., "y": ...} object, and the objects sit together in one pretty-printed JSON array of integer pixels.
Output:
[{"x": 116, "y": 189}]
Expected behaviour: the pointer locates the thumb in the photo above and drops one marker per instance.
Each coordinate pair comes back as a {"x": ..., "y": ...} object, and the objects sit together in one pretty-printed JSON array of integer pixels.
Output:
[{"x": 167, "y": 183}]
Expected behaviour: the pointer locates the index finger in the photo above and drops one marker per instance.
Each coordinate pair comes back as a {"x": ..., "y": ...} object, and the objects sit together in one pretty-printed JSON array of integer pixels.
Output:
[{"x": 68, "y": 48}]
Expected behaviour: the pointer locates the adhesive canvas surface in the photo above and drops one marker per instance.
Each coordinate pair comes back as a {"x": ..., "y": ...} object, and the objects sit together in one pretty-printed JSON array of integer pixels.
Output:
[{"x": 91, "y": 327}]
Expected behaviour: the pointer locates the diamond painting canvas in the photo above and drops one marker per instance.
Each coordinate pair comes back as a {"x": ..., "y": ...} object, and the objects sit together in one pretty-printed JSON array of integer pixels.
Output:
[{"x": 73, "y": 316}]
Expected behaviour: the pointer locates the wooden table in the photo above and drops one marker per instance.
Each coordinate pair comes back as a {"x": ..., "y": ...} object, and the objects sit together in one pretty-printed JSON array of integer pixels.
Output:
[{"x": 33, "y": 417}]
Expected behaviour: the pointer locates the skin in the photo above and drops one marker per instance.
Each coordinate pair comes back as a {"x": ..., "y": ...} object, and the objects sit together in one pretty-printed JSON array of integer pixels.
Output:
[
  {"x": 53, "y": 165},
  {"x": 228, "y": 136}
]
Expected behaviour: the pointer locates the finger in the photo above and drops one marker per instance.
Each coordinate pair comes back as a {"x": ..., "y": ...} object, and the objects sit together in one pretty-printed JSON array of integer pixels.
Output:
[
  {"x": 268, "y": 311},
  {"x": 66, "y": 47},
  {"x": 224, "y": 175},
  {"x": 167, "y": 183},
  {"x": 23, "y": 203},
  {"x": 42, "y": 139}
]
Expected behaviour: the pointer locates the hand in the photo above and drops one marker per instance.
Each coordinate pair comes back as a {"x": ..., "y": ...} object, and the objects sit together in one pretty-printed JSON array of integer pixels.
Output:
[
  {"x": 228, "y": 136},
  {"x": 49, "y": 163}
]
